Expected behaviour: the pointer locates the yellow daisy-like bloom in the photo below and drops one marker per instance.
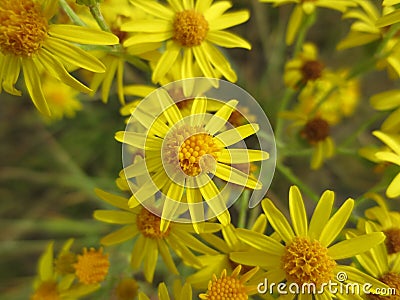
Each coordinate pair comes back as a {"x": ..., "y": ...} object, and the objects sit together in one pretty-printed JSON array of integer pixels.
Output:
[
  {"x": 307, "y": 7},
  {"x": 61, "y": 99},
  {"x": 304, "y": 68},
  {"x": 367, "y": 29},
  {"x": 182, "y": 155},
  {"x": 391, "y": 156},
  {"x": 386, "y": 221},
  {"x": 92, "y": 266},
  {"x": 215, "y": 264},
  {"x": 388, "y": 100},
  {"x": 30, "y": 42},
  {"x": 333, "y": 96},
  {"x": 139, "y": 222},
  {"x": 307, "y": 254},
  {"x": 316, "y": 131},
  {"x": 230, "y": 287},
  {"x": 127, "y": 289},
  {"x": 376, "y": 262},
  {"x": 190, "y": 30},
  {"x": 50, "y": 286},
  {"x": 180, "y": 292}
]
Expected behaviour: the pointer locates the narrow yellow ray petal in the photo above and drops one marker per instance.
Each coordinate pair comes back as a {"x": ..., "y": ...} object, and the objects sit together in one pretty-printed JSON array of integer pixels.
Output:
[
  {"x": 278, "y": 221},
  {"x": 229, "y": 20},
  {"x": 121, "y": 235},
  {"x": 114, "y": 216},
  {"x": 234, "y": 135},
  {"x": 46, "y": 262},
  {"x": 227, "y": 40},
  {"x": 82, "y": 35},
  {"x": 356, "y": 245},
  {"x": 298, "y": 212},
  {"x": 335, "y": 225},
  {"x": 34, "y": 86},
  {"x": 219, "y": 119},
  {"x": 75, "y": 56},
  {"x": 235, "y": 176},
  {"x": 260, "y": 242},
  {"x": 240, "y": 156},
  {"x": 321, "y": 214}
]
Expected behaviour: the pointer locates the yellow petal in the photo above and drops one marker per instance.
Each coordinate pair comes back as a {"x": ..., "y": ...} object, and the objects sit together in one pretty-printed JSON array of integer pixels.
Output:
[
  {"x": 34, "y": 86},
  {"x": 82, "y": 35},
  {"x": 227, "y": 40},
  {"x": 75, "y": 56},
  {"x": 121, "y": 235},
  {"x": 219, "y": 119},
  {"x": 240, "y": 156},
  {"x": 234, "y": 135},
  {"x": 229, "y": 20},
  {"x": 297, "y": 212},
  {"x": 166, "y": 61}
]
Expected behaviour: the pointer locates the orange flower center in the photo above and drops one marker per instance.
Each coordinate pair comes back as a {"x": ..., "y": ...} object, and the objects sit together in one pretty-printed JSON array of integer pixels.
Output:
[
  {"x": 316, "y": 130},
  {"x": 393, "y": 281},
  {"x": 392, "y": 240},
  {"x": 92, "y": 266},
  {"x": 149, "y": 225},
  {"x": 23, "y": 28},
  {"x": 46, "y": 291},
  {"x": 307, "y": 261},
  {"x": 228, "y": 287},
  {"x": 190, "y": 28},
  {"x": 127, "y": 289},
  {"x": 197, "y": 153},
  {"x": 312, "y": 70}
]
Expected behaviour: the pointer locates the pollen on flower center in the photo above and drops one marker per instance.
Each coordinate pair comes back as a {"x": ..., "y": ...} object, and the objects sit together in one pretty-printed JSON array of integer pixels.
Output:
[
  {"x": 307, "y": 261},
  {"x": 23, "y": 28},
  {"x": 393, "y": 281},
  {"x": 92, "y": 266},
  {"x": 149, "y": 225},
  {"x": 316, "y": 130},
  {"x": 312, "y": 70},
  {"x": 190, "y": 28},
  {"x": 226, "y": 287},
  {"x": 392, "y": 240},
  {"x": 46, "y": 291},
  {"x": 197, "y": 153}
]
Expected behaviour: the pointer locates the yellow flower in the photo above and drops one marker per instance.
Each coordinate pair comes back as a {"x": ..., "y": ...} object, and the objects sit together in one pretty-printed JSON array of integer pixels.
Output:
[
  {"x": 117, "y": 12},
  {"x": 307, "y": 254},
  {"x": 180, "y": 292},
  {"x": 49, "y": 285},
  {"x": 304, "y": 68},
  {"x": 307, "y": 7},
  {"x": 190, "y": 30},
  {"x": 230, "y": 286},
  {"x": 182, "y": 154},
  {"x": 376, "y": 262},
  {"x": 127, "y": 289},
  {"x": 30, "y": 42},
  {"x": 388, "y": 100},
  {"x": 139, "y": 222},
  {"x": 366, "y": 30},
  {"x": 215, "y": 264},
  {"x": 333, "y": 96},
  {"x": 391, "y": 156},
  {"x": 386, "y": 221},
  {"x": 61, "y": 99},
  {"x": 92, "y": 266},
  {"x": 316, "y": 131}
]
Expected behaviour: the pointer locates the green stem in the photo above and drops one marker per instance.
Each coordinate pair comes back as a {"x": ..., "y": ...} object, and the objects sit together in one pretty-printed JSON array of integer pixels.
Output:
[
  {"x": 98, "y": 16},
  {"x": 287, "y": 172},
  {"x": 71, "y": 14},
  {"x": 244, "y": 201},
  {"x": 279, "y": 121},
  {"x": 308, "y": 21}
]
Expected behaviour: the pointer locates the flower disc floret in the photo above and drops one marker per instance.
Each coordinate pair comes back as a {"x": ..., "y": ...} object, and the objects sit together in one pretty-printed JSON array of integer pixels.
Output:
[
  {"x": 149, "y": 225},
  {"x": 392, "y": 279},
  {"x": 46, "y": 291},
  {"x": 307, "y": 261},
  {"x": 316, "y": 130},
  {"x": 92, "y": 266},
  {"x": 190, "y": 28},
  {"x": 392, "y": 240},
  {"x": 23, "y": 28}
]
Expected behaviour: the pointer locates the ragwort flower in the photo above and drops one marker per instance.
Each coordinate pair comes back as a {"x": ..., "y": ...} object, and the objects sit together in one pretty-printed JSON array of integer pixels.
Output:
[
  {"x": 190, "y": 30},
  {"x": 306, "y": 255},
  {"x": 151, "y": 241},
  {"x": 30, "y": 42},
  {"x": 183, "y": 154}
]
